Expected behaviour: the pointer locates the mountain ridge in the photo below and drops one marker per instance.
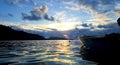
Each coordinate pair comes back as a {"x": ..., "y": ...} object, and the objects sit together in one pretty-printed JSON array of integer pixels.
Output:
[{"x": 7, "y": 33}]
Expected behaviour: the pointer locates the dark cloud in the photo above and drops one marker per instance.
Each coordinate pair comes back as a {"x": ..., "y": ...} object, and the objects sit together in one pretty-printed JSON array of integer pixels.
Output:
[
  {"x": 38, "y": 14},
  {"x": 110, "y": 25},
  {"x": 95, "y": 30},
  {"x": 51, "y": 18},
  {"x": 85, "y": 25}
]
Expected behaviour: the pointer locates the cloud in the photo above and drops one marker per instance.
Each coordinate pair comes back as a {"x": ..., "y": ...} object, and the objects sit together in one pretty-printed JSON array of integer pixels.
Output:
[
  {"x": 86, "y": 25},
  {"x": 38, "y": 14},
  {"x": 94, "y": 6},
  {"x": 96, "y": 25},
  {"x": 99, "y": 10},
  {"x": 101, "y": 5},
  {"x": 91, "y": 29},
  {"x": 74, "y": 6},
  {"x": 20, "y": 3},
  {"x": 60, "y": 16},
  {"x": 6, "y": 15},
  {"x": 109, "y": 26},
  {"x": 116, "y": 12},
  {"x": 10, "y": 14}
]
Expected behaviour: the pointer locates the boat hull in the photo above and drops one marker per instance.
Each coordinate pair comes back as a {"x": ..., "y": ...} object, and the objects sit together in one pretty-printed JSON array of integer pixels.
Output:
[{"x": 104, "y": 50}]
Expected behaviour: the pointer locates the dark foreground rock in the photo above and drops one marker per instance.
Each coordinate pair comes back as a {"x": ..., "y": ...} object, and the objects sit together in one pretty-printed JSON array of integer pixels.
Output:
[{"x": 104, "y": 50}]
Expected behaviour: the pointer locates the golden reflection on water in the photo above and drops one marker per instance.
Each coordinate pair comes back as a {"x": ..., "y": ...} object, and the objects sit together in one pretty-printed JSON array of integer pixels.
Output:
[
  {"x": 63, "y": 48},
  {"x": 63, "y": 61}
]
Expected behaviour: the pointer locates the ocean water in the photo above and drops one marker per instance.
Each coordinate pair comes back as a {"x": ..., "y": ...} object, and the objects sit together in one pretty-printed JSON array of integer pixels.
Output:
[{"x": 41, "y": 52}]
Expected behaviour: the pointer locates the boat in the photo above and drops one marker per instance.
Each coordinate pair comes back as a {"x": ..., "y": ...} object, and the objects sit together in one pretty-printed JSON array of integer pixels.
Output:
[{"x": 104, "y": 50}]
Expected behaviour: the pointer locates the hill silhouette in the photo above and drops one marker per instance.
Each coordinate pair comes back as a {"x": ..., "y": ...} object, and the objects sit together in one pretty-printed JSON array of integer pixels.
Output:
[{"x": 7, "y": 33}]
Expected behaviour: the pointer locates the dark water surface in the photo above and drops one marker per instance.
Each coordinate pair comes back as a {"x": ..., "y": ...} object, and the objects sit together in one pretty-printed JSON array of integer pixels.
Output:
[{"x": 41, "y": 52}]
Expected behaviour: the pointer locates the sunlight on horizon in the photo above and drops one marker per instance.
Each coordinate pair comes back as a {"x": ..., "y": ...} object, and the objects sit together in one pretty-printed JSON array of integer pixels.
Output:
[{"x": 63, "y": 26}]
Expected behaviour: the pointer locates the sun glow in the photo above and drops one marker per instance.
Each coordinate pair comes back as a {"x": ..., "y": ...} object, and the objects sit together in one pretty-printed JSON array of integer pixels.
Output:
[{"x": 64, "y": 26}]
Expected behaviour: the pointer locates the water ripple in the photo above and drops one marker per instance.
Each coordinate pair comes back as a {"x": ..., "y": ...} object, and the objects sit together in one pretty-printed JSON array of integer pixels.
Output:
[{"x": 41, "y": 52}]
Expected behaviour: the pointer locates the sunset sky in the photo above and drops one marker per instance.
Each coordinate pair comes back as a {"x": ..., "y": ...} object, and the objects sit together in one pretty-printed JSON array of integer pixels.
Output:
[{"x": 61, "y": 17}]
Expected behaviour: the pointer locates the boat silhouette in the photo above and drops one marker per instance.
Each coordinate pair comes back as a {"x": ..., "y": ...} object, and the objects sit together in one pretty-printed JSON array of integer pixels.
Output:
[{"x": 102, "y": 49}]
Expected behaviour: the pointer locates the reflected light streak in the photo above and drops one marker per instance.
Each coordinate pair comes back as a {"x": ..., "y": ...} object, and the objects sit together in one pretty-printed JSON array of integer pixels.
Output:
[
  {"x": 63, "y": 60},
  {"x": 64, "y": 48}
]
